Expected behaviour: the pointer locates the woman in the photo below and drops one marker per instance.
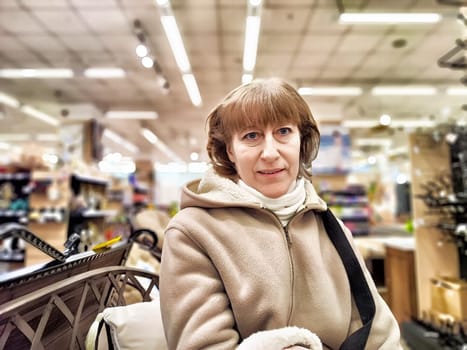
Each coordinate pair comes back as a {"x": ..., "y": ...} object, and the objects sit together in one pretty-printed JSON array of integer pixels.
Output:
[{"x": 247, "y": 263}]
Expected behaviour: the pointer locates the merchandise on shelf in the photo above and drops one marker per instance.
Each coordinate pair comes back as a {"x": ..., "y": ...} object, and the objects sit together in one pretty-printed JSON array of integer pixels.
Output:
[
  {"x": 351, "y": 206},
  {"x": 14, "y": 205}
]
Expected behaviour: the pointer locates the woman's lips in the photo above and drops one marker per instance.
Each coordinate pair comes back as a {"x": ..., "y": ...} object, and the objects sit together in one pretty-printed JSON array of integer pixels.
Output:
[{"x": 270, "y": 172}]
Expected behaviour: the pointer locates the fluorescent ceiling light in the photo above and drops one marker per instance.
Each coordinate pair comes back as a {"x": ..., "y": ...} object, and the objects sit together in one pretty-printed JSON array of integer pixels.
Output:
[
  {"x": 111, "y": 135},
  {"x": 253, "y": 24},
  {"x": 398, "y": 150},
  {"x": 176, "y": 43},
  {"x": 178, "y": 49},
  {"x": 104, "y": 72},
  {"x": 192, "y": 88},
  {"x": 403, "y": 91},
  {"x": 409, "y": 123},
  {"x": 149, "y": 135},
  {"x": 389, "y": 18},
  {"x": 32, "y": 112},
  {"x": 9, "y": 100},
  {"x": 168, "y": 152},
  {"x": 131, "y": 115},
  {"x": 373, "y": 142},
  {"x": 162, "y": 2},
  {"x": 246, "y": 78},
  {"x": 152, "y": 138},
  {"x": 331, "y": 91},
  {"x": 52, "y": 73},
  {"x": 355, "y": 124},
  {"x": 403, "y": 123},
  {"x": 15, "y": 137},
  {"x": 452, "y": 91},
  {"x": 47, "y": 137}
]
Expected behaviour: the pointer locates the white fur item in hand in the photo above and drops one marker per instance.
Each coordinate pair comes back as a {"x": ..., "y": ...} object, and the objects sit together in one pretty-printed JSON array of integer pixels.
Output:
[{"x": 278, "y": 339}]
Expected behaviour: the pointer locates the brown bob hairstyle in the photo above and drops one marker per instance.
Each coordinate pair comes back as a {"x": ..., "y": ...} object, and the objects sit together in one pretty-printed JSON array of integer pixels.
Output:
[{"x": 261, "y": 102}]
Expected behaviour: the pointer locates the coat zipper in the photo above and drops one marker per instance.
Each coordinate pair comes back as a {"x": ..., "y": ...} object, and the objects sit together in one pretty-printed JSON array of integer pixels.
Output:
[
  {"x": 288, "y": 239},
  {"x": 289, "y": 243}
]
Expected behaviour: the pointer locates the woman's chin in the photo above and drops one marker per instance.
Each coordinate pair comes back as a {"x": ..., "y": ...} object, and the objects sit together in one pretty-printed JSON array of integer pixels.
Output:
[{"x": 274, "y": 192}]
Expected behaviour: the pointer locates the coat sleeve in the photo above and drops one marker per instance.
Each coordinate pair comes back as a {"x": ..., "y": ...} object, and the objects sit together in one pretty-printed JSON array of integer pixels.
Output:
[
  {"x": 384, "y": 333},
  {"x": 195, "y": 308}
]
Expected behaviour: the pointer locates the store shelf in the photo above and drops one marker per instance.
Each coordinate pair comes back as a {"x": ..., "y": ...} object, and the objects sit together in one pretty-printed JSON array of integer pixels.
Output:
[{"x": 351, "y": 206}]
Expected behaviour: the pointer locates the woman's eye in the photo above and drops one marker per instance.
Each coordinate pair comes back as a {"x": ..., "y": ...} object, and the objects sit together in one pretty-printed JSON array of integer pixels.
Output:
[
  {"x": 284, "y": 131},
  {"x": 251, "y": 136}
]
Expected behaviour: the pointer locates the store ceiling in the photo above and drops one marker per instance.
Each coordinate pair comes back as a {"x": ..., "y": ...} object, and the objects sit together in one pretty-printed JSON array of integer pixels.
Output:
[{"x": 300, "y": 40}]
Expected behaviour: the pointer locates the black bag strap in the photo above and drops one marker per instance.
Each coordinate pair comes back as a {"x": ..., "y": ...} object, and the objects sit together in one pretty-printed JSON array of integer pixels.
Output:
[{"x": 358, "y": 284}]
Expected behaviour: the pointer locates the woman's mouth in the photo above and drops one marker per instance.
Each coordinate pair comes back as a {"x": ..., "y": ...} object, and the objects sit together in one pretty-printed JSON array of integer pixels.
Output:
[{"x": 270, "y": 172}]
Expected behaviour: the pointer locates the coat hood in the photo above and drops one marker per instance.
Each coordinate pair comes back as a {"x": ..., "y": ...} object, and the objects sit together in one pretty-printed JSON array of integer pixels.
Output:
[{"x": 215, "y": 191}]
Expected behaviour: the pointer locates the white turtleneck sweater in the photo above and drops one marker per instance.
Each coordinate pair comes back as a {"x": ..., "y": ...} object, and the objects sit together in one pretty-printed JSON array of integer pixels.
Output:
[{"x": 284, "y": 206}]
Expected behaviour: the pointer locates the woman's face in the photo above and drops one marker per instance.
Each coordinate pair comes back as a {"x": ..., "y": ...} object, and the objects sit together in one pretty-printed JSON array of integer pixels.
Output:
[{"x": 268, "y": 158}]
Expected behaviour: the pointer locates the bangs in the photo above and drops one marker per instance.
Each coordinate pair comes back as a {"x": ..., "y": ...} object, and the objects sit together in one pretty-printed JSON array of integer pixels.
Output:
[{"x": 260, "y": 106}]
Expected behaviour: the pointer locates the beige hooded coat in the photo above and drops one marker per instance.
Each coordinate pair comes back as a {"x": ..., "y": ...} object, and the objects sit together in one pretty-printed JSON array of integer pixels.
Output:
[{"x": 230, "y": 271}]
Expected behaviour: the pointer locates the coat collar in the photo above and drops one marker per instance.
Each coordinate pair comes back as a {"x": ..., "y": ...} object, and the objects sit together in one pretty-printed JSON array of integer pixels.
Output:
[{"x": 215, "y": 191}]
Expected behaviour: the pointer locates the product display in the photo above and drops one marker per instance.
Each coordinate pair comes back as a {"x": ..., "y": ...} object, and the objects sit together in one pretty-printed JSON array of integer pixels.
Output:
[{"x": 351, "y": 206}]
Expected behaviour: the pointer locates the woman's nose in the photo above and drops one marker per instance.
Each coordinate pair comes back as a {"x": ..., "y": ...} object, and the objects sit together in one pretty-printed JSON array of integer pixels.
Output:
[{"x": 270, "y": 150}]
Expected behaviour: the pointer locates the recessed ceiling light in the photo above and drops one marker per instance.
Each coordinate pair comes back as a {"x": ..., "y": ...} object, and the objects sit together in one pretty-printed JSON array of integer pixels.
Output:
[
  {"x": 194, "y": 156},
  {"x": 147, "y": 62},
  {"x": 141, "y": 50},
  {"x": 385, "y": 119},
  {"x": 401, "y": 179}
]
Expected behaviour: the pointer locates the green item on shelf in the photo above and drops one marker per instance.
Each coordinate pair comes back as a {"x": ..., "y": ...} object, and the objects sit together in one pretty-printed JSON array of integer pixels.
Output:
[{"x": 409, "y": 226}]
